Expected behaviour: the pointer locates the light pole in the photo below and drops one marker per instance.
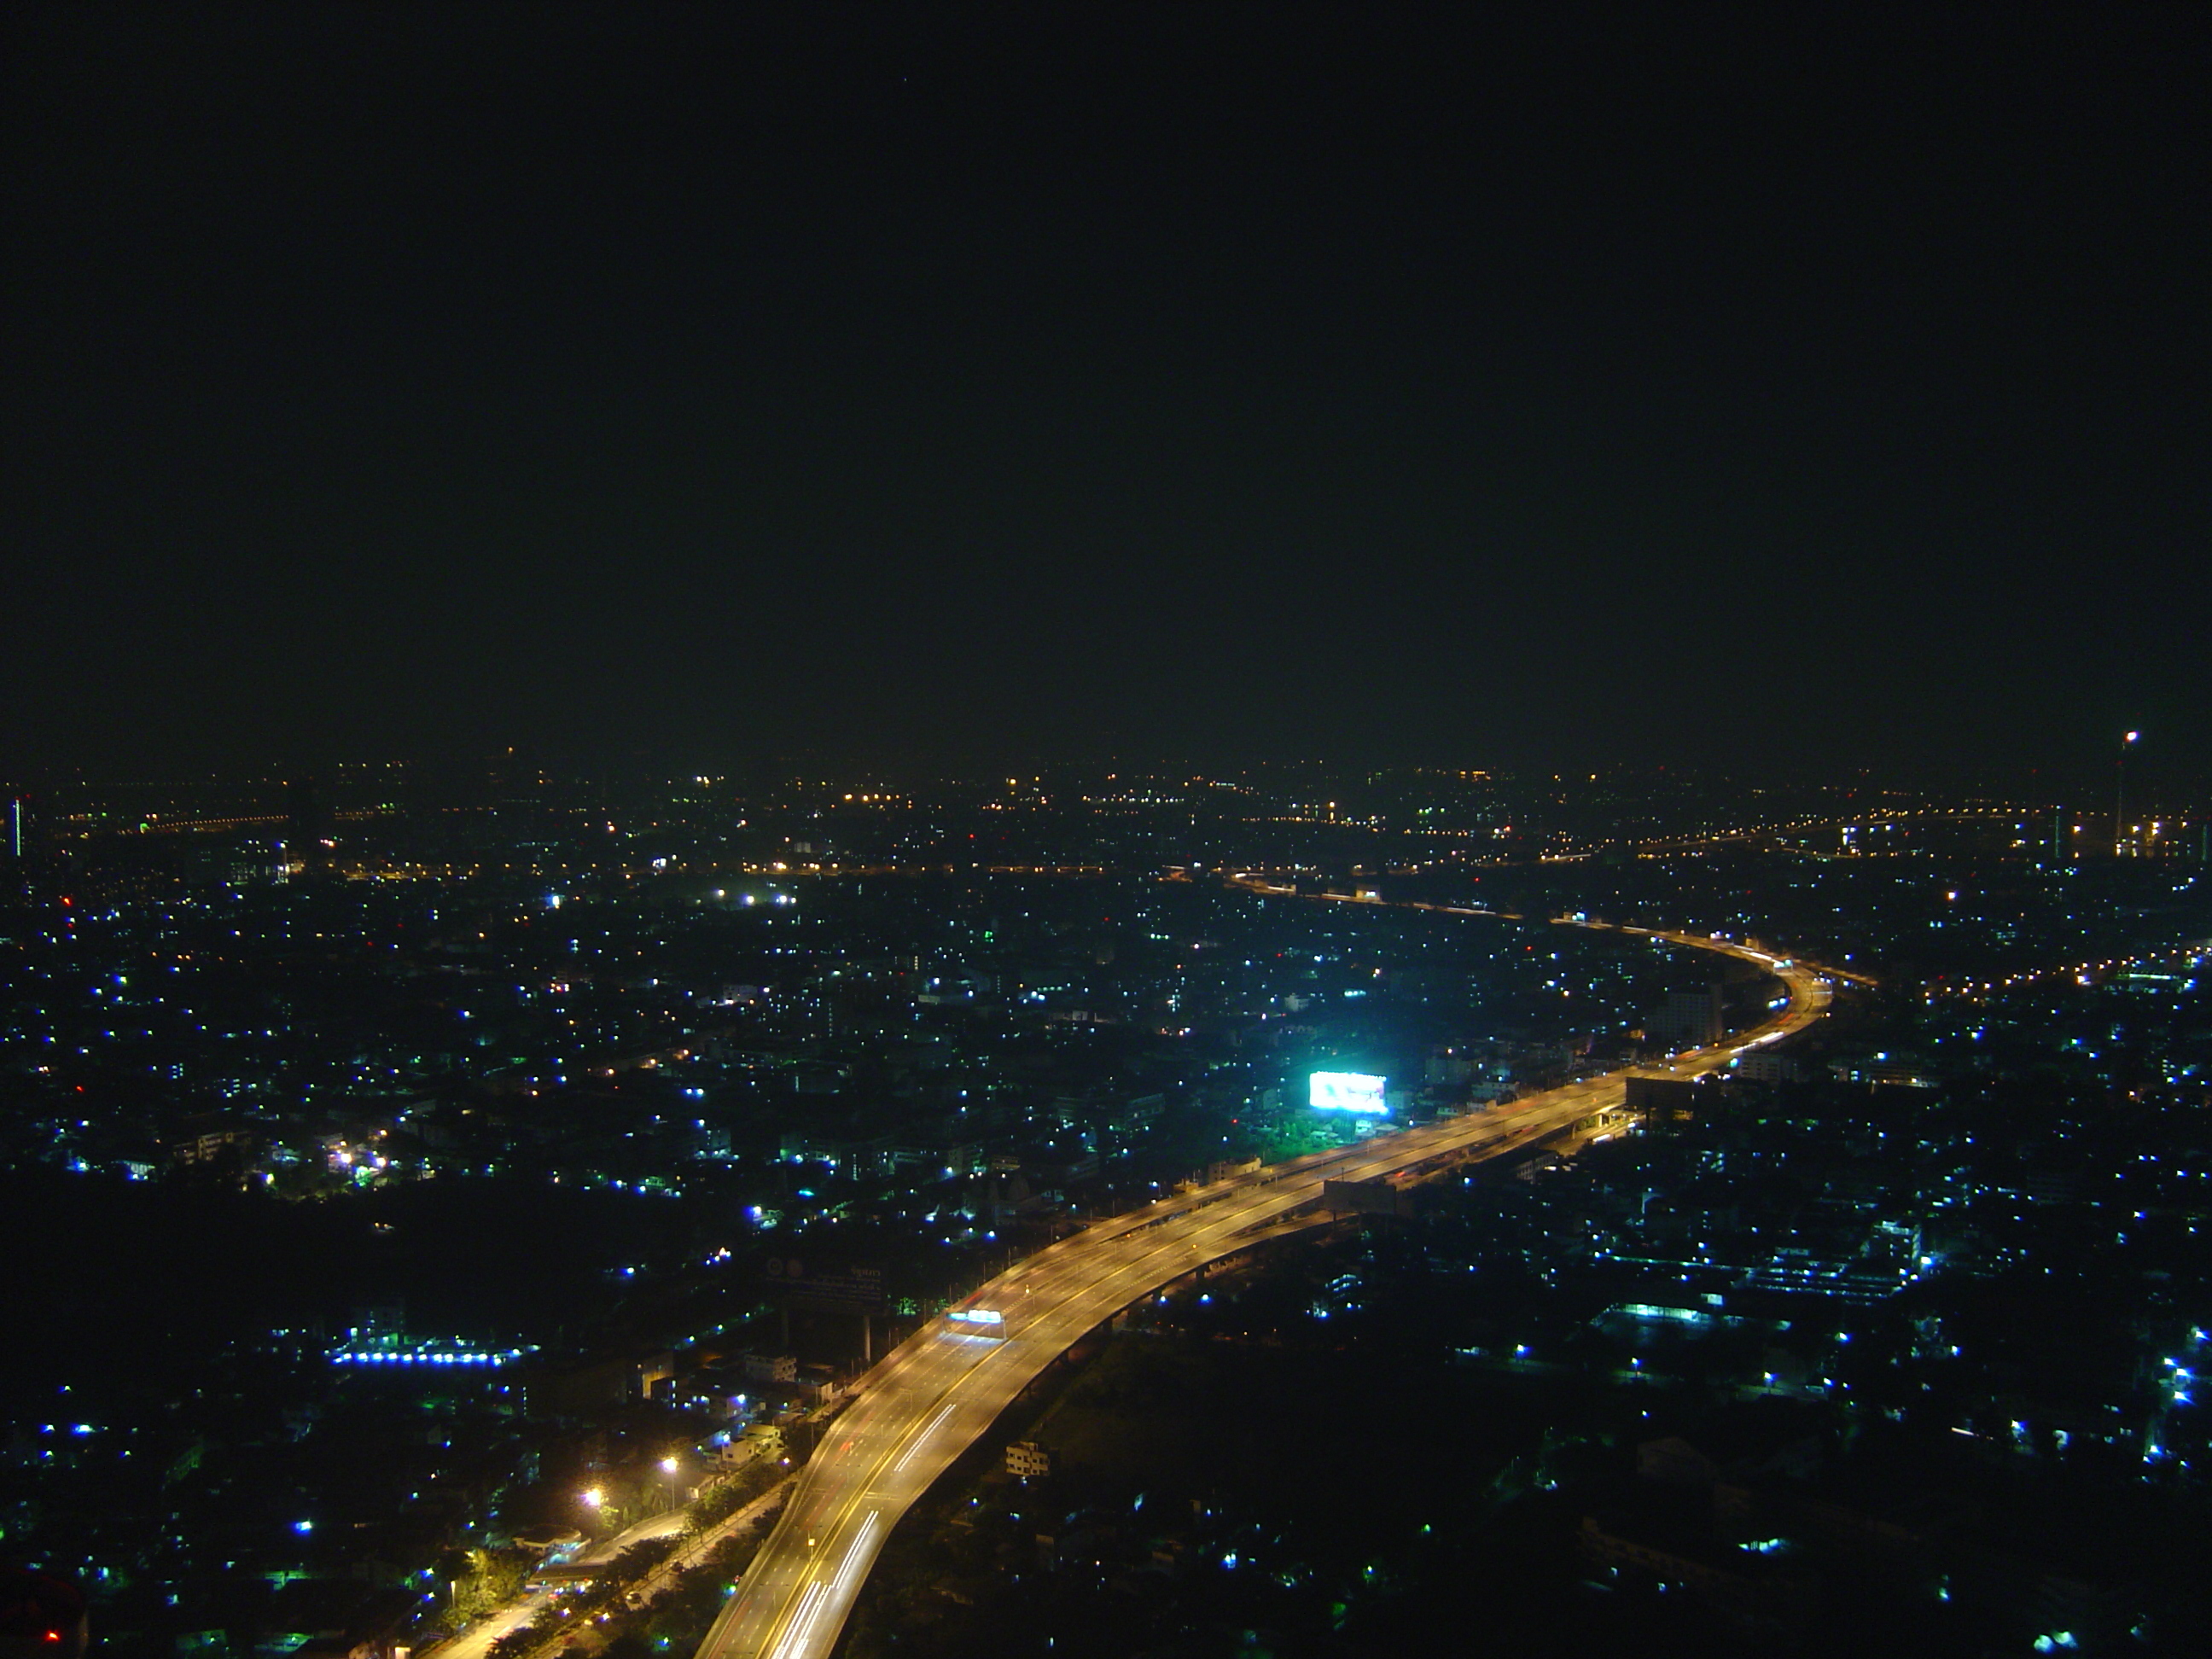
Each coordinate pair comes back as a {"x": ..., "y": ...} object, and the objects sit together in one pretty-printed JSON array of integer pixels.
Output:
[
  {"x": 2120, "y": 798},
  {"x": 668, "y": 1469}
]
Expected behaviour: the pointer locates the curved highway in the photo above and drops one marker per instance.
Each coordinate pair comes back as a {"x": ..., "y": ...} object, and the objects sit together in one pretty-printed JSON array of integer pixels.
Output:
[{"x": 935, "y": 1393}]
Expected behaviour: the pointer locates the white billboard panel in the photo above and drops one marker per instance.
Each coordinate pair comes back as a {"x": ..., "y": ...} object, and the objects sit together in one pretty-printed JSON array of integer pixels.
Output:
[{"x": 1347, "y": 1091}]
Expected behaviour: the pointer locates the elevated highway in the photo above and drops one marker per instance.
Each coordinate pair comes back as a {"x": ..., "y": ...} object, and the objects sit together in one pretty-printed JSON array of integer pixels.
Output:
[{"x": 935, "y": 1395}]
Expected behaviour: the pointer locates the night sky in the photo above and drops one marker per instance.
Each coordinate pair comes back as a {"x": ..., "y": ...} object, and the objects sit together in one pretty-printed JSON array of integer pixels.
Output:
[{"x": 959, "y": 383}]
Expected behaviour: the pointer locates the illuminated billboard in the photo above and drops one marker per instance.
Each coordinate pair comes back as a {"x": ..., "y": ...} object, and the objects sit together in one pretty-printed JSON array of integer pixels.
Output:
[{"x": 1347, "y": 1091}]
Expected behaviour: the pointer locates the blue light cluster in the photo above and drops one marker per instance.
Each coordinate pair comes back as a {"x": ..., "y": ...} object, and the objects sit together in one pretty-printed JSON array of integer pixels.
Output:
[{"x": 416, "y": 1357}]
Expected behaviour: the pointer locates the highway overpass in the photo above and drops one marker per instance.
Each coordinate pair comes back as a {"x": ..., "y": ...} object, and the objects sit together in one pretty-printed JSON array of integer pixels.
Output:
[{"x": 935, "y": 1395}]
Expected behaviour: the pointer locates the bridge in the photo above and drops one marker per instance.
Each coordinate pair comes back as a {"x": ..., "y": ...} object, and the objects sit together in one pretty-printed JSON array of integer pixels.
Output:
[{"x": 936, "y": 1393}]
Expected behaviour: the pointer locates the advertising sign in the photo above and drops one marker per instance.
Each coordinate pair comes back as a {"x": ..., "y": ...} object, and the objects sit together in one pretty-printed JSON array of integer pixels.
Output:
[{"x": 1347, "y": 1091}]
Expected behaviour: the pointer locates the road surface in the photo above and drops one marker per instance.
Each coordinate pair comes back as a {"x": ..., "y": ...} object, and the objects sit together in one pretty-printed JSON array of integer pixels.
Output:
[
  {"x": 937, "y": 1392},
  {"x": 476, "y": 1641}
]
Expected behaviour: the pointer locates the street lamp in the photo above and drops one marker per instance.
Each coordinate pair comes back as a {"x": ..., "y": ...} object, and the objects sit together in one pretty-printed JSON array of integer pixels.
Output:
[
  {"x": 2120, "y": 798},
  {"x": 668, "y": 1467}
]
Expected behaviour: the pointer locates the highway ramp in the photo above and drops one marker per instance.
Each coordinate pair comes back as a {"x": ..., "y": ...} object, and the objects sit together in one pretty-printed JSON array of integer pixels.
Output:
[{"x": 935, "y": 1395}]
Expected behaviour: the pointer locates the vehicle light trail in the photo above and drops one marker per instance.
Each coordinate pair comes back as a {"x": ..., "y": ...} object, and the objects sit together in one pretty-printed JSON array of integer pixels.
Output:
[{"x": 922, "y": 1439}]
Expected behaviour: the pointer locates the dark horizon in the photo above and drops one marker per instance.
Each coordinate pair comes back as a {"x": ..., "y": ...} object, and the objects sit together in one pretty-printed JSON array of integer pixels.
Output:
[{"x": 1590, "y": 387}]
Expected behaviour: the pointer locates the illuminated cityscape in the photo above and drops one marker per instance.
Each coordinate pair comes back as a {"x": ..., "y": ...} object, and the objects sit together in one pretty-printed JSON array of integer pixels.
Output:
[
  {"x": 535, "y": 1174},
  {"x": 1109, "y": 831}
]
